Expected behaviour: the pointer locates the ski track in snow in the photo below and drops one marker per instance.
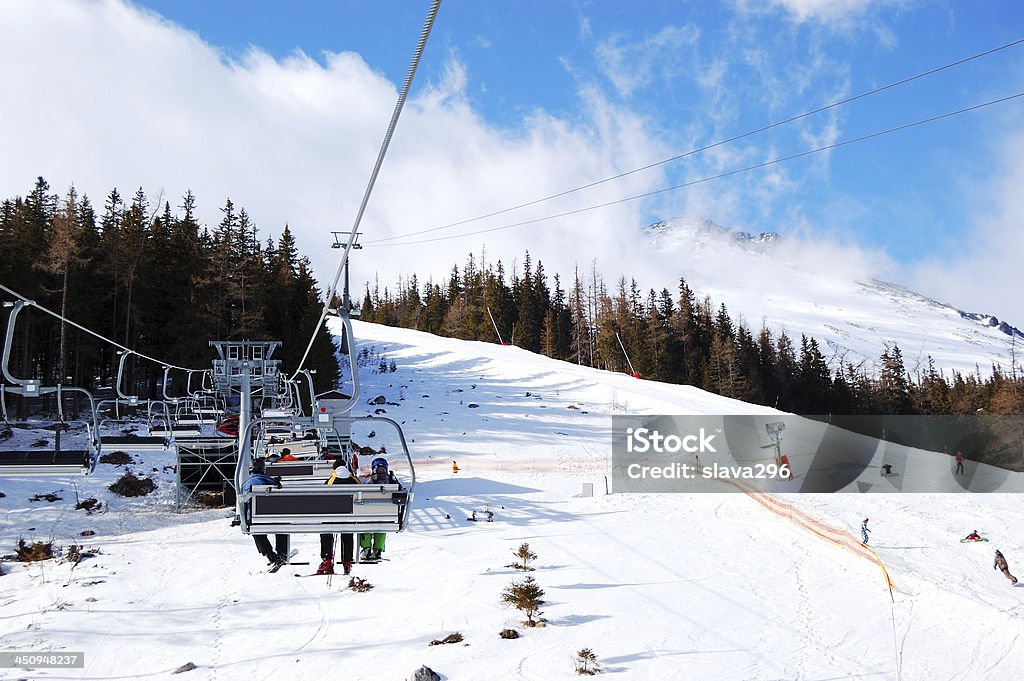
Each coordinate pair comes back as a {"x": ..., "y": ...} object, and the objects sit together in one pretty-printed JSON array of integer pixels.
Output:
[{"x": 700, "y": 586}]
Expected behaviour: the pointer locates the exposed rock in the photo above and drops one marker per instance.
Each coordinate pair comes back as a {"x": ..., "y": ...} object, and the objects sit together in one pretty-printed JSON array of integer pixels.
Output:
[{"x": 425, "y": 673}]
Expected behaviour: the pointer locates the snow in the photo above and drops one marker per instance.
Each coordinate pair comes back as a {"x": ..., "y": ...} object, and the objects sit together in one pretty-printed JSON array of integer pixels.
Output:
[
  {"x": 660, "y": 586},
  {"x": 817, "y": 290}
]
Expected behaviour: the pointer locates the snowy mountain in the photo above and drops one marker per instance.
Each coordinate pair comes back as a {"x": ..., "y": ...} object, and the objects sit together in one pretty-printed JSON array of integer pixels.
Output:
[
  {"x": 796, "y": 287},
  {"x": 660, "y": 586}
]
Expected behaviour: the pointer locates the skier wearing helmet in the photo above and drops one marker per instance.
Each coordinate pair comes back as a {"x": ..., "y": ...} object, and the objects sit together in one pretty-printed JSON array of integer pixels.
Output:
[{"x": 371, "y": 544}]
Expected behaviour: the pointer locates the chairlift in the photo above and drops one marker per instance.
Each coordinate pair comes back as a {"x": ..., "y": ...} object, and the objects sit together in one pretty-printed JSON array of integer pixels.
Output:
[
  {"x": 55, "y": 461},
  {"x": 304, "y": 504},
  {"x": 154, "y": 442}
]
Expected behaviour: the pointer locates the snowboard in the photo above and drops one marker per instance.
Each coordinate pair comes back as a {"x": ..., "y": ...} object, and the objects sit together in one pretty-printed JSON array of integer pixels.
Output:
[
  {"x": 973, "y": 541},
  {"x": 288, "y": 558}
]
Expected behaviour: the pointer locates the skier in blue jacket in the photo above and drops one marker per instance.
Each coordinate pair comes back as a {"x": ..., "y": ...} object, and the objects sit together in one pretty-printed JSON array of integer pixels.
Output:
[
  {"x": 260, "y": 477},
  {"x": 864, "y": 532}
]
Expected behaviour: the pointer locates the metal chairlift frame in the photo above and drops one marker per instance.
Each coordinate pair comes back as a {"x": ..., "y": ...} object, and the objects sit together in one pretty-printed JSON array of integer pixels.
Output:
[
  {"x": 34, "y": 462},
  {"x": 163, "y": 388},
  {"x": 3, "y": 404},
  {"x": 141, "y": 443},
  {"x": 305, "y": 505},
  {"x": 308, "y": 506}
]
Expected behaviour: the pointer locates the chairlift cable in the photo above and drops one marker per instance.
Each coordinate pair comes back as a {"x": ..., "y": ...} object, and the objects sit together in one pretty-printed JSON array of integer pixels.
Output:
[
  {"x": 418, "y": 52},
  {"x": 719, "y": 176},
  {"x": 93, "y": 333},
  {"x": 707, "y": 147}
]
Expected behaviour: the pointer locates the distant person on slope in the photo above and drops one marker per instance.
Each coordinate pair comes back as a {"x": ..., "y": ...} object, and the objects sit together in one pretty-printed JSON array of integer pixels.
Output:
[
  {"x": 959, "y": 463},
  {"x": 260, "y": 477},
  {"x": 864, "y": 532},
  {"x": 1000, "y": 564},
  {"x": 973, "y": 536}
]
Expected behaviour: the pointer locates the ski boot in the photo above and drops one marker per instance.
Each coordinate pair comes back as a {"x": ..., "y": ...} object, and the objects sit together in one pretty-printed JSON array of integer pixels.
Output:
[{"x": 326, "y": 567}]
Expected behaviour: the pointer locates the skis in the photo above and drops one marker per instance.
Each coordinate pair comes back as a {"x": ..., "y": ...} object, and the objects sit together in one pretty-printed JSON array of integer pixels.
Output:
[{"x": 277, "y": 566}]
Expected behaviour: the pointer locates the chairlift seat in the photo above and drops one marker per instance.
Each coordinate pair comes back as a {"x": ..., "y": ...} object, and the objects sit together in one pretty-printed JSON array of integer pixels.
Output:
[
  {"x": 302, "y": 449},
  {"x": 46, "y": 462},
  {"x": 140, "y": 443},
  {"x": 315, "y": 469},
  {"x": 323, "y": 509},
  {"x": 176, "y": 430}
]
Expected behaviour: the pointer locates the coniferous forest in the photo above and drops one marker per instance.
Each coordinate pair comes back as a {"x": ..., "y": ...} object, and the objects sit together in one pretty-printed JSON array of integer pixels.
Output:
[
  {"x": 152, "y": 279},
  {"x": 676, "y": 337}
]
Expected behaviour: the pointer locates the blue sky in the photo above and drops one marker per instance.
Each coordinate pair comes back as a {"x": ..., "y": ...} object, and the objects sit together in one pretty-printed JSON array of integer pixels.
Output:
[{"x": 518, "y": 100}]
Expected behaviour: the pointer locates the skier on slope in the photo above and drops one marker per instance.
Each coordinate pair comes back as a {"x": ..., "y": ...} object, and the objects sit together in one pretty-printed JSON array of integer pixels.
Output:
[
  {"x": 864, "y": 532},
  {"x": 1000, "y": 564}
]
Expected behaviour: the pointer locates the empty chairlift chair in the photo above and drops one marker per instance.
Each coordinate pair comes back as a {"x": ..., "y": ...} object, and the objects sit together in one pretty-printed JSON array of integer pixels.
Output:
[{"x": 58, "y": 459}]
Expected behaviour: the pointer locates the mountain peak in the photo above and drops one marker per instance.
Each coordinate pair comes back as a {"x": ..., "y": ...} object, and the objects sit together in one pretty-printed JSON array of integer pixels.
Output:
[{"x": 700, "y": 231}]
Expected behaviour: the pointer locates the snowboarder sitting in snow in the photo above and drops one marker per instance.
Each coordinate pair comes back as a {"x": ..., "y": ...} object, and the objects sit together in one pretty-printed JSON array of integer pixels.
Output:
[
  {"x": 1000, "y": 564},
  {"x": 340, "y": 476},
  {"x": 973, "y": 536},
  {"x": 371, "y": 544},
  {"x": 260, "y": 477},
  {"x": 864, "y": 531}
]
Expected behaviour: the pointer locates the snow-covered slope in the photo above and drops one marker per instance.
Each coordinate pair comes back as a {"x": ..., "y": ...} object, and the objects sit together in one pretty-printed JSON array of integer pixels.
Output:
[
  {"x": 669, "y": 586},
  {"x": 816, "y": 292}
]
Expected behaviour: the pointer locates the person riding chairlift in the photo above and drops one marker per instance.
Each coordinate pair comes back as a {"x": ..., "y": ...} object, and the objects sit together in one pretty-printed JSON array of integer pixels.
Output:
[
  {"x": 371, "y": 544},
  {"x": 341, "y": 475},
  {"x": 286, "y": 455}
]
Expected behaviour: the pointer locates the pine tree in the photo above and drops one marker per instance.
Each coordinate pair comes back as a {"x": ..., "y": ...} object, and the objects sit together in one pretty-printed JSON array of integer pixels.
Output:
[
  {"x": 61, "y": 256},
  {"x": 525, "y": 555},
  {"x": 586, "y": 662},
  {"x": 527, "y": 597},
  {"x": 894, "y": 388}
]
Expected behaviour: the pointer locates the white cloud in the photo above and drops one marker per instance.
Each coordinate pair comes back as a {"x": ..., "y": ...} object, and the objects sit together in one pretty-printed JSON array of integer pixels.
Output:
[
  {"x": 834, "y": 12},
  {"x": 117, "y": 97},
  {"x": 984, "y": 276},
  {"x": 630, "y": 65}
]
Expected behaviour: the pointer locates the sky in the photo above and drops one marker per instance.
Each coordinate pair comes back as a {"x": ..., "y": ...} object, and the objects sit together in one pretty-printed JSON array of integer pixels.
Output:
[{"x": 282, "y": 107}]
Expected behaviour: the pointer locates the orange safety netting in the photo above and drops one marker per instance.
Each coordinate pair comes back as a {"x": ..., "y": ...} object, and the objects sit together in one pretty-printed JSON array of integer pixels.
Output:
[{"x": 832, "y": 535}]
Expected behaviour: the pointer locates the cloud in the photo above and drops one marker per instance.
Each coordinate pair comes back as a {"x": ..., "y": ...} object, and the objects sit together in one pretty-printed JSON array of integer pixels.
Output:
[
  {"x": 631, "y": 65},
  {"x": 832, "y": 12},
  {"x": 980, "y": 277},
  {"x": 118, "y": 97}
]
